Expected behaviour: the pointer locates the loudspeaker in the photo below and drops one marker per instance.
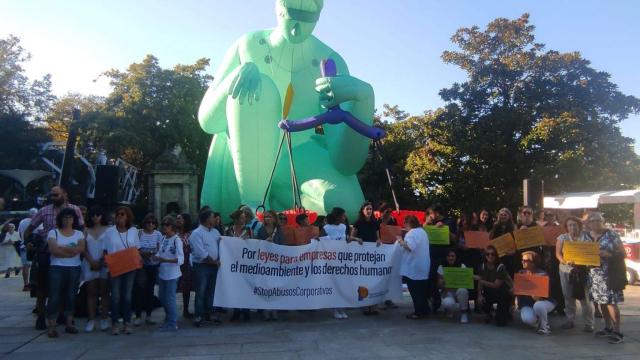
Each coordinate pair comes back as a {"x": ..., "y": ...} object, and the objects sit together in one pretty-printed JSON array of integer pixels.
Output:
[
  {"x": 533, "y": 193},
  {"x": 108, "y": 179}
]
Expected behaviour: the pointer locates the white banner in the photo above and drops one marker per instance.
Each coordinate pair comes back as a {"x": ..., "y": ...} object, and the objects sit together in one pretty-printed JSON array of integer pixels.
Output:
[{"x": 256, "y": 274}]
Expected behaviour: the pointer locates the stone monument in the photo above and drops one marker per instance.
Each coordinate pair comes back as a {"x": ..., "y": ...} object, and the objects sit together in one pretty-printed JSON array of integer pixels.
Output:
[{"x": 173, "y": 180}]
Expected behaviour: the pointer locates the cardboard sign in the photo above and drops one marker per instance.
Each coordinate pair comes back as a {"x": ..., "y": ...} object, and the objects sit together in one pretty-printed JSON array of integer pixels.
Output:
[
  {"x": 529, "y": 237},
  {"x": 531, "y": 285},
  {"x": 581, "y": 252},
  {"x": 289, "y": 234},
  {"x": 303, "y": 235},
  {"x": 504, "y": 244},
  {"x": 123, "y": 261},
  {"x": 551, "y": 234},
  {"x": 437, "y": 235},
  {"x": 389, "y": 233},
  {"x": 476, "y": 239},
  {"x": 458, "y": 278}
]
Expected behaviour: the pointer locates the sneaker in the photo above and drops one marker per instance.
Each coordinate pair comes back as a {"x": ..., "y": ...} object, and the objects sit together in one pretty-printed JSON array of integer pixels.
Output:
[
  {"x": 344, "y": 314},
  {"x": 104, "y": 324},
  {"x": 137, "y": 321},
  {"x": 197, "y": 322},
  {"x": 568, "y": 325},
  {"x": 337, "y": 314},
  {"x": 615, "y": 338},
  {"x": 588, "y": 328},
  {"x": 603, "y": 333},
  {"x": 91, "y": 324},
  {"x": 464, "y": 318},
  {"x": 545, "y": 330}
]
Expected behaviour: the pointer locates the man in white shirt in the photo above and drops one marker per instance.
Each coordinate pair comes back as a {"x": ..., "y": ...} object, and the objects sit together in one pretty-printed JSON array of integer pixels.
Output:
[{"x": 204, "y": 243}]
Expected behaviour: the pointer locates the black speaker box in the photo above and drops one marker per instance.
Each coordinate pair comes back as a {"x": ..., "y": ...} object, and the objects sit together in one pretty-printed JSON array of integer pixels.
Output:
[
  {"x": 533, "y": 193},
  {"x": 108, "y": 178}
]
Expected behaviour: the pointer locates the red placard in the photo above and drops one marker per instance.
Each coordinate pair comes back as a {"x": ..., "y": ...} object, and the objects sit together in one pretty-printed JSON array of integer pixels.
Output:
[
  {"x": 123, "y": 261},
  {"x": 476, "y": 239},
  {"x": 531, "y": 285},
  {"x": 551, "y": 234}
]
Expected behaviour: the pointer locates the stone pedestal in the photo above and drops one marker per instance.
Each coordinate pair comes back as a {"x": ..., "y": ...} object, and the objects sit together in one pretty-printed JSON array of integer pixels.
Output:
[{"x": 166, "y": 186}]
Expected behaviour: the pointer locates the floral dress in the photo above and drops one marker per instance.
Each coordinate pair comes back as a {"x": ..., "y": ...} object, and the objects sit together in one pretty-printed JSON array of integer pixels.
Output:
[{"x": 599, "y": 276}]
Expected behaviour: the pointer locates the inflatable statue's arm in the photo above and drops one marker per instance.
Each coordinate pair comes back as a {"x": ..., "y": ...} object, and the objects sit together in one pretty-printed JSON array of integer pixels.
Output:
[
  {"x": 233, "y": 78},
  {"x": 348, "y": 150}
]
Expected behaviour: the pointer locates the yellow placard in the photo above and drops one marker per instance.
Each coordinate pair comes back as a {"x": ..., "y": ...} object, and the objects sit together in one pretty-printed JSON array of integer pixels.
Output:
[
  {"x": 581, "y": 252},
  {"x": 504, "y": 244},
  {"x": 458, "y": 278},
  {"x": 529, "y": 237},
  {"x": 438, "y": 235}
]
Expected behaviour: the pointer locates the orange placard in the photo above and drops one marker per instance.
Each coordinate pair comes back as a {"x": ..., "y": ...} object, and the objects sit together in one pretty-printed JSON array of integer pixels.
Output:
[
  {"x": 303, "y": 235},
  {"x": 551, "y": 234},
  {"x": 504, "y": 244},
  {"x": 123, "y": 261},
  {"x": 389, "y": 233},
  {"x": 289, "y": 234},
  {"x": 476, "y": 239},
  {"x": 531, "y": 285},
  {"x": 529, "y": 237}
]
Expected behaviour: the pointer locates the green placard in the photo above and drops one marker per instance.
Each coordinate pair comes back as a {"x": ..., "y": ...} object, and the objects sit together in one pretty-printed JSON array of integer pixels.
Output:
[
  {"x": 437, "y": 235},
  {"x": 458, "y": 278}
]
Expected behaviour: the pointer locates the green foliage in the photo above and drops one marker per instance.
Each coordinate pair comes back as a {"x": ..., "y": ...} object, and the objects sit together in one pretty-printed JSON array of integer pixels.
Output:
[
  {"x": 21, "y": 139},
  {"x": 17, "y": 94}
]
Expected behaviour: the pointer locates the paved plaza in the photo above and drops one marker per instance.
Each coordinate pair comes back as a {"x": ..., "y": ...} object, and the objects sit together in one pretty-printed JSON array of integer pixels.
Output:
[{"x": 314, "y": 335}]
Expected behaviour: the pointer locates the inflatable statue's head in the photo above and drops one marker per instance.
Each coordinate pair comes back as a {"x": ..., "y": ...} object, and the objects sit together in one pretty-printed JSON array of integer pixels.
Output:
[{"x": 298, "y": 18}]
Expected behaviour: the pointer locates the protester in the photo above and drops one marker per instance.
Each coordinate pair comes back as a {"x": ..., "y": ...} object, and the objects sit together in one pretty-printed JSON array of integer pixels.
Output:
[
  {"x": 609, "y": 279},
  {"x": 185, "y": 284},
  {"x": 504, "y": 225},
  {"x": 204, "y": 242},
  {"x": 302, "y": 220},
  {"x": 485, "y": 221},
  {"x": 574, "y": 277},
  {"x": 26, "y": 264},
  {"x": 436, "y": 216},
  {"x": 336, "y": 230},
  {"x": 170, "y": 256},
  {"x": 9, "y": 258},
  {"x": 218, "y": 222},
  {"x": 270, "y": 229},
  {"x": 534, "y": 310},
  {"x": 494, "y": 287},
  {"x": 120, "y": 237},
  {"x": 415, "y": 265},
  {"x": 367, "y": 228},
  {"x": 454, "y": 301},
  {"x": 94, "y": 270},
  {"x": 43, "y": 222},
  {"x": 386, "y": 214},
  {"x": 146, "y": 278},
  {"x": 239, "y": 229},
  {"x": 250, "y": 220},
  {"x": 65, "y": 245}
]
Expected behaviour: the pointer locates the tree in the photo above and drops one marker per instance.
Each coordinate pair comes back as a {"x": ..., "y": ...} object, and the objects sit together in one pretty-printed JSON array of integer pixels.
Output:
[
  {"x": 59, "y": 117},
  {"x": 21, "y": 139},
  {"x": 17, "y": 94},
  {"x": 523, "y": 112}
]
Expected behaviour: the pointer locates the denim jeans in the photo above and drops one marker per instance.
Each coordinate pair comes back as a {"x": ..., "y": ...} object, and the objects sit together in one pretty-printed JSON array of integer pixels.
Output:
[
  {"x": 121, "y": 292},
  {"x": 167, "y": 295},
  {"x": 205, "y": 277},
  {"x": 63, "y": 287},
  {"x": 143, "y": 289}
]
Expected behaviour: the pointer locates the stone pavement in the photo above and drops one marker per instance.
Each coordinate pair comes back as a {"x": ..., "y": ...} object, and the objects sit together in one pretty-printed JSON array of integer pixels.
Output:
[{"x": 315, "y": 335}]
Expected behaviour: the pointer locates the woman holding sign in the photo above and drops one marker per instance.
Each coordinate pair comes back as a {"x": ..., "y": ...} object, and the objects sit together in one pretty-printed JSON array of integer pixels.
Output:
[
  {"x": 117, "y": 238},
  {"x": 415, "y": 266},
  {"x": 574, "y": 278},
  {"x": 494, "y": 287},
  {"x": 502, "y": 226},
  {"x": 534, "y": 310},
  {"x": 65, "y": 245},
  {"x": 453, "y": 300},
  {"x": 367, "y": 228},
  {"x": 609, "y": 279}
]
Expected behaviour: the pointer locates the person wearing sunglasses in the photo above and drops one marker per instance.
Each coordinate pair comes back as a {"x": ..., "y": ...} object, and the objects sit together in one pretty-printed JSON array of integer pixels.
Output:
[
  {"x": 170, "y": 256},
  {"x": 121, "y": 236},
  {"x": 94, "y": 269},
  {"x": 494, "y": 287},
  {"x": 534, "y": 310},
  {"x": 146, "y": 277}
]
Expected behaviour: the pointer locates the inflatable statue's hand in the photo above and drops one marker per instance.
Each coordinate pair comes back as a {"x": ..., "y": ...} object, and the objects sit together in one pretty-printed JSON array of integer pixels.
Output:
[
  {"x": 336, "y": 90},
  {"x": 247, "y": 84}
]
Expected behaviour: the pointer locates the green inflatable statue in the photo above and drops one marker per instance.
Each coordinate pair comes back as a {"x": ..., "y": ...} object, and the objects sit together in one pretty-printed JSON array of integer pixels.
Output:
[{"x": 248, "y": 98}]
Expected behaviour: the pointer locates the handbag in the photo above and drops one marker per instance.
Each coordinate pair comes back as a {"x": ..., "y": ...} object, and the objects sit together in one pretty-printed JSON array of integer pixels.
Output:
[{"x": 617, "y": 279}]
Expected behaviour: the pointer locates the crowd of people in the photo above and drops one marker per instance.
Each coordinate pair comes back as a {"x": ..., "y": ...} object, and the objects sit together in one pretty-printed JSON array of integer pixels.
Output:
[{"x": 65, "y": 247}]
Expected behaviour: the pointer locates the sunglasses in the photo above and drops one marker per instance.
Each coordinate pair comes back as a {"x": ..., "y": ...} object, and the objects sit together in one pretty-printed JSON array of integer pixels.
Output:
[
  {"x": 490, "y": 254},
  {"x": 527, "y": 213},
  {"x": 526, "y": 260}
]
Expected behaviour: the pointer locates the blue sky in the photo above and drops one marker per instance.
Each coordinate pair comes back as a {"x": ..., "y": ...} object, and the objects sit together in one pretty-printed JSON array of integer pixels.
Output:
[{"x": 394, "y": 45}]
